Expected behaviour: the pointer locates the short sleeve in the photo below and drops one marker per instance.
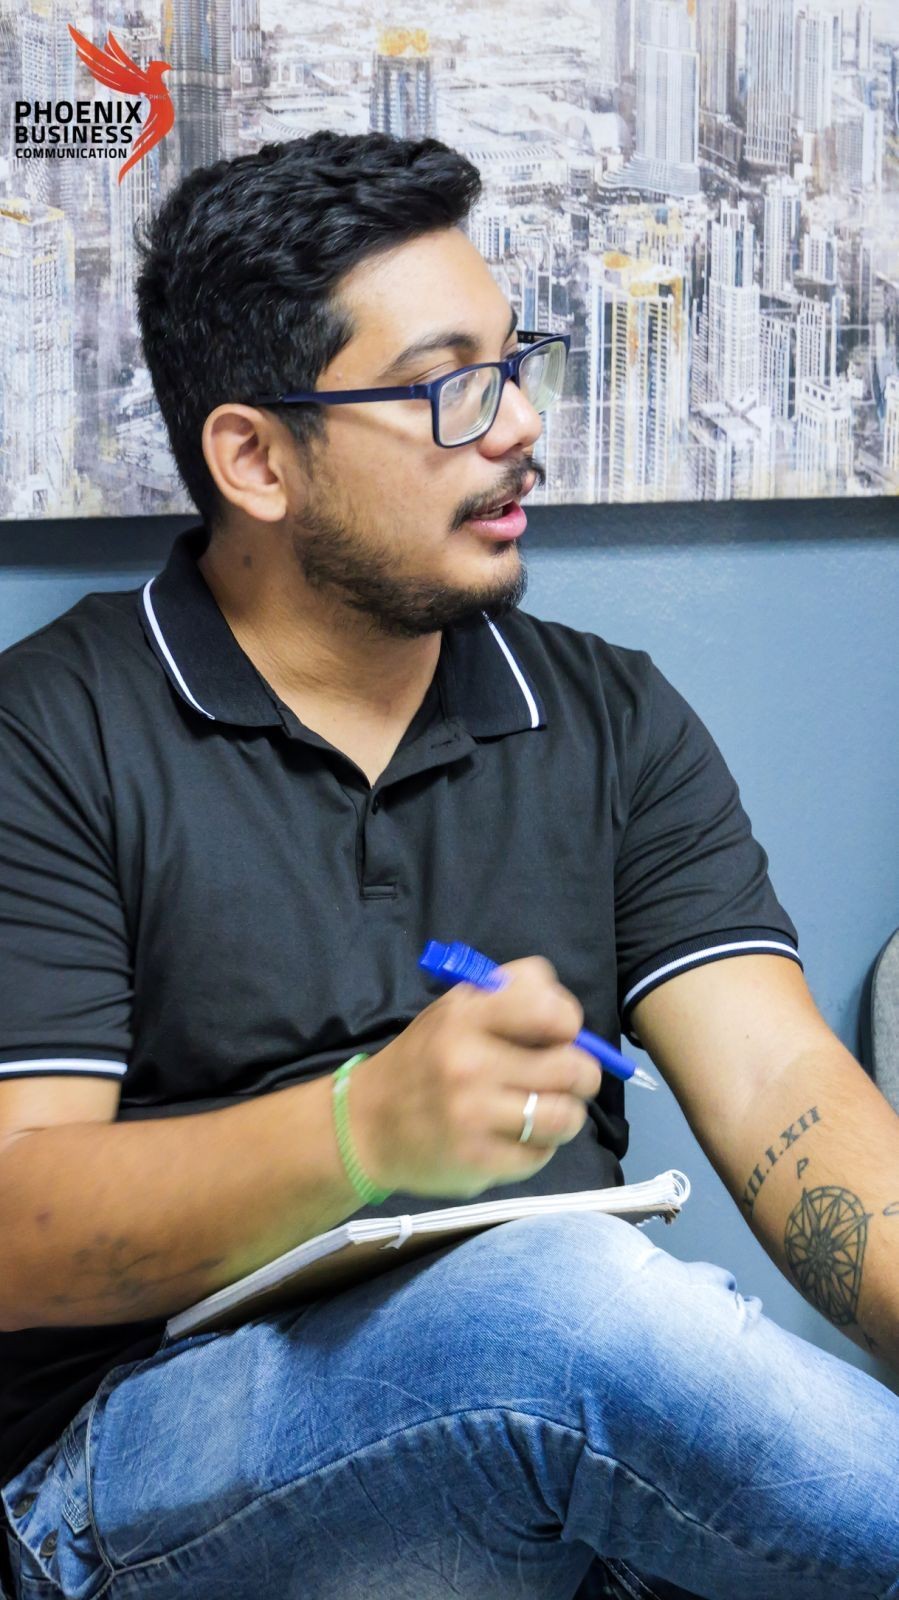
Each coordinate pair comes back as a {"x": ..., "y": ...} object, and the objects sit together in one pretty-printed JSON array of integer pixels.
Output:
[
  {"x": 65, "y": 969},
  {"x": 691, "y": 881}
]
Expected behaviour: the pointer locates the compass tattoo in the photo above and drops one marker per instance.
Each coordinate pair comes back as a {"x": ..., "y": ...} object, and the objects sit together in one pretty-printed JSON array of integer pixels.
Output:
[{"x": 825, "y": 1247}]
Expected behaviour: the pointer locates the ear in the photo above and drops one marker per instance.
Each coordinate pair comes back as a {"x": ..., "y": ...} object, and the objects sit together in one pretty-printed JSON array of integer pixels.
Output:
[{"x": 253, "y": 461}]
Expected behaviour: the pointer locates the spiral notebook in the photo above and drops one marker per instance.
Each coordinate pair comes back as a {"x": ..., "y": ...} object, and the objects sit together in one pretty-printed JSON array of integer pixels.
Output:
[{"x": 364, "y": 1248}]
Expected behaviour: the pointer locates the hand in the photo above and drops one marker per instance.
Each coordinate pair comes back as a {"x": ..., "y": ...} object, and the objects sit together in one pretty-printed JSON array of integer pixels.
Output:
[{"x": 440, "y": 1109}]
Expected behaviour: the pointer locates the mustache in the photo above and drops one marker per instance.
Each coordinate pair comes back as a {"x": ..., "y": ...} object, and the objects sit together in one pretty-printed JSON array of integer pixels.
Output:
[{"x": 513, "y": 491}]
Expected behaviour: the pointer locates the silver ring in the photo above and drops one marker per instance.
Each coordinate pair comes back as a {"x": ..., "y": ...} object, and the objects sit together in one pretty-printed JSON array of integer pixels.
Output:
[{"x": 530, "y": 1107}]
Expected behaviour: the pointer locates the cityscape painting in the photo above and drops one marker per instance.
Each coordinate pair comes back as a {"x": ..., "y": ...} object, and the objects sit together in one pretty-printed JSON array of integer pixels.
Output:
[{"x": 703, "y": 193}]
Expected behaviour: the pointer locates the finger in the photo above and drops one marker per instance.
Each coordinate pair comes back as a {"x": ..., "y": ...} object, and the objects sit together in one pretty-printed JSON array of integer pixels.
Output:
[
  {"x": 557, "y": 1118},
  {"x": 563, "y": 1080},
  {"x": 563, "y": 1069},
  {"x": 530, "y": 967},
  {"x": 531, "y": 1008}
]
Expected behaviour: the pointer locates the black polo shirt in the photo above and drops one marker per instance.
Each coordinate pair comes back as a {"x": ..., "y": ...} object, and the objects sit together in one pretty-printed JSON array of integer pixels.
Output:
[{"x": 205, "y": 901}]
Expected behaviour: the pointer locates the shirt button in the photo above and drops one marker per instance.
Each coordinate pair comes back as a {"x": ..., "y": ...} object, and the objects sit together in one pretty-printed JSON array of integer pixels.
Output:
[
  {"x": 376, "y": 804},
  {"x": 23, "y": 1506},
  {"x": 49, "y": 1545}
]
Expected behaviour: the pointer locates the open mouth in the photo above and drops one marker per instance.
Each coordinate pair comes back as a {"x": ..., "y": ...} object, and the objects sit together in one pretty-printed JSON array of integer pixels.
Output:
[
  {"x": 495, "y": 513},
  {"x": 506, "y": 520},
  {"x": 503, "y": 522}
]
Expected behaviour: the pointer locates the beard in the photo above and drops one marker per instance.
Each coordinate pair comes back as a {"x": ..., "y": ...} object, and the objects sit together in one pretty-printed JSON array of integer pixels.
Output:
[{"x": 370, "y": 580}]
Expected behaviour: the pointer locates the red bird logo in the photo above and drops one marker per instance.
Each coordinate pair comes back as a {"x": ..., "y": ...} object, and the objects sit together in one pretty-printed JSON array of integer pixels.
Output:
[{"x": 116, "y": 69}]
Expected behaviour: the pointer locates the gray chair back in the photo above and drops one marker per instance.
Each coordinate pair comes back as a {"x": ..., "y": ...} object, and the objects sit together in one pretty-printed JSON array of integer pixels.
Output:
[{"x": 880, "y": 1022}]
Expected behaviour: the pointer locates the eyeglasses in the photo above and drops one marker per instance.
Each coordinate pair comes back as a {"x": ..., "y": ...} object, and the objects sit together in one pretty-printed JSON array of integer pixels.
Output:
[{"x": 464, "y": 403}]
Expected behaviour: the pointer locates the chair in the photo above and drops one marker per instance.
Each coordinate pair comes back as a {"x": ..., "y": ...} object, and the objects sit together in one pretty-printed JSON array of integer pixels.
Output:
[{"x": 880, "y": 1021}]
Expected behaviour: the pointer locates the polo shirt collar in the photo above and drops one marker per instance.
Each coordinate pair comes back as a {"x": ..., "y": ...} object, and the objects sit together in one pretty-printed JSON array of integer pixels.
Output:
[{"x": 482, "y": 680}]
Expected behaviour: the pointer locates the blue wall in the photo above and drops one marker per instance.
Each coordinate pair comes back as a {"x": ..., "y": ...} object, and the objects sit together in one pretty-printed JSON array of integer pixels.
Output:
[{"x": 778, "y": 622}]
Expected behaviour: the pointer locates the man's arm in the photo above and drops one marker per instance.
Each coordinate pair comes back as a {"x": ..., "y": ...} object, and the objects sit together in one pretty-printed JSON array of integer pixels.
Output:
[
  {"x": 806, "y": 1144},
  {"x": 116, "y": 1222},
  {"x": 107, "y": 1222}
]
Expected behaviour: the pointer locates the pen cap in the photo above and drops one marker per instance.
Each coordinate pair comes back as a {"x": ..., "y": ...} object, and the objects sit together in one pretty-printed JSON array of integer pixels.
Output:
[
  {"x": 434, "y": 957},
  {"x": 459, "y": 963}
]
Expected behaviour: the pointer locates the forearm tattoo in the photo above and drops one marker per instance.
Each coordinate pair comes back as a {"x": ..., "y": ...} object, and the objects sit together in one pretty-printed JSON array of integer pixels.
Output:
[
  {"x": 826, "y": 1233},
  {"x": 109, "y": 1273},
  {"x": 824, "y": 1244},
  {"x": 788, "y": 1137}
]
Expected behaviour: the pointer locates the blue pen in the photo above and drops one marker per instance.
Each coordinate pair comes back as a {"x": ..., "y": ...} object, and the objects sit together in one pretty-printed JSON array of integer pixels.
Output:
[{"x": 459, "y": 963}]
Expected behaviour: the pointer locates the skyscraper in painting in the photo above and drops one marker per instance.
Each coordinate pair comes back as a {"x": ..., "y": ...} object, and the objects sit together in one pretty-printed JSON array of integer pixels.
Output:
[
  {"x": 769, "y": 82},
  {"x": 47, "y": 65},
  {"x": 665, "y": 159},
  {"x": 813, "y": 74},
  {"x": 717, "y": 22},
  {"x": 668, "y": 94},
  {"x": 403, "y": 97},
  {"x": 645, "y": 358},
  {"x": 37, "y": 389},
  {"x": 891, "y": 429},
  {"x": 728, "y": 328},
  {"x": 200, "y": 80},
  {"x": 823, "y": 437},
  {"x": 782, "y": 219},
  {"x": 733, "y": 300}
]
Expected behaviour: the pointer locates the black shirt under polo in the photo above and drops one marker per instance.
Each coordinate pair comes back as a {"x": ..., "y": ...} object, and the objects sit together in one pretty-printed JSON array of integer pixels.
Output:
[{"x": 205, "y": 901}]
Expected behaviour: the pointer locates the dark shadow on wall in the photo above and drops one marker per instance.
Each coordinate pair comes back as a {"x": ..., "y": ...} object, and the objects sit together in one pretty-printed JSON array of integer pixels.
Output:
[{"x": 144, "y": 541}]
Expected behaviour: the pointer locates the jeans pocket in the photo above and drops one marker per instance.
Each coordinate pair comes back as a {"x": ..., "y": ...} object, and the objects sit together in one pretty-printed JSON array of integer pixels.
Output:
[{"x": 53, "y": 1550}]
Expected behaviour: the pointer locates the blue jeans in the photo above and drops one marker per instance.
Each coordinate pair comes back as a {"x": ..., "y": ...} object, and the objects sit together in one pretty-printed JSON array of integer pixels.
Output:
[{"x": 554, "y": 1408}]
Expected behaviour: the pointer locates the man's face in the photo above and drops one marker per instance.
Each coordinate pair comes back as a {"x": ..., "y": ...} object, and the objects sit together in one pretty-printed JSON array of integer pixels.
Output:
[{"x": 381, "y": 520}]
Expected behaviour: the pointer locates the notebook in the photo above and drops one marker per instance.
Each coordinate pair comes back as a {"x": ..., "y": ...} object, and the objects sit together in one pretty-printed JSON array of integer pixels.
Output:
[{"x": 364, "y": 1248}]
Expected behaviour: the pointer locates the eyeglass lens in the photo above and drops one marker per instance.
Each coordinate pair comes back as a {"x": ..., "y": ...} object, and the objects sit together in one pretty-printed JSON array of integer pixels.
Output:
[{"x": 468, "y": 403}]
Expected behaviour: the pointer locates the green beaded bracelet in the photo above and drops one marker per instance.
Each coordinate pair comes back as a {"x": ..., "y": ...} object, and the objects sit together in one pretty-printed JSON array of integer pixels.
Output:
[{"x": 363, "y": 1186}]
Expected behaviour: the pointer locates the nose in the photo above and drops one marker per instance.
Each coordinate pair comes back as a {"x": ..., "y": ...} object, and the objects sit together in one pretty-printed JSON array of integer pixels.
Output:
[{"x": 516, "y": 424}]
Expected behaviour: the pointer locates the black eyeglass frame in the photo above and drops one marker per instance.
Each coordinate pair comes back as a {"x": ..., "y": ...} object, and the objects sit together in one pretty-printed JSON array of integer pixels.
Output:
[{"x": 508, "y": 368}]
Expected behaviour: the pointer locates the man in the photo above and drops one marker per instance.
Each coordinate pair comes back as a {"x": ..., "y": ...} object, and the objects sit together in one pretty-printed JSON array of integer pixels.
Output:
[{"x": 234, "y": 807}]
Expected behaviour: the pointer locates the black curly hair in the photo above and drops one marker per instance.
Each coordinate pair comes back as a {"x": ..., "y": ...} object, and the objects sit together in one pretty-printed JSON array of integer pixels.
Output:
[{"x": 240, "y": 264}]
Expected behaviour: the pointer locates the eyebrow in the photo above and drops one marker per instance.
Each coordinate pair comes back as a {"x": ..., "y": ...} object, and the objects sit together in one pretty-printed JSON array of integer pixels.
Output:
[{"x": 447, "y": 338}]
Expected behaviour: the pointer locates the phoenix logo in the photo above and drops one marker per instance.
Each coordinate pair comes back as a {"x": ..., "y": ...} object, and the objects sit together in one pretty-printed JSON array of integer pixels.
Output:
[{"x": 114, "y": 68}]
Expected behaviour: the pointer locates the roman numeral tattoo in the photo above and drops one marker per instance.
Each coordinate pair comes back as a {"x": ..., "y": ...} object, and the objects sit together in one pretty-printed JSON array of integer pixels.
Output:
[{"x": 788, "y": 1137}]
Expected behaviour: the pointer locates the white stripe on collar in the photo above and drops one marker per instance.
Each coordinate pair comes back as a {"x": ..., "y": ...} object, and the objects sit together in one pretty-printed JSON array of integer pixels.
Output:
[
  {"x": 160, "y": 640},
  {"x": 519, "y": 675},
  {"x": 180, "y": 680}
]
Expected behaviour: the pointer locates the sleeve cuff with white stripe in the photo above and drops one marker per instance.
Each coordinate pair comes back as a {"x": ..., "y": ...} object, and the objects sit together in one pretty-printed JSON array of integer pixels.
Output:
[
  {"x": 698, "y": 952},
  {"x": 55, "y": 1066}
]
